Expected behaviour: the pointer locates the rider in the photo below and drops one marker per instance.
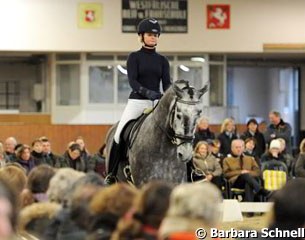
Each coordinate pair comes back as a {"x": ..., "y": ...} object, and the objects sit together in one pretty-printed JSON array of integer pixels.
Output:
[{"x": 146, "y": 68}]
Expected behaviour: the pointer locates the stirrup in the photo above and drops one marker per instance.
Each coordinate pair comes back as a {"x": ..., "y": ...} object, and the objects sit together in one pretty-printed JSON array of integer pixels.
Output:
[
  {"x": 110, "y": 179},
  {"x": 127, "y": 173}
]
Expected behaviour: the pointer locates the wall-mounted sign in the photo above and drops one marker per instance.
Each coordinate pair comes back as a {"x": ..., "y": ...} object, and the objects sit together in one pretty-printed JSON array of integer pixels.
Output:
[
  {"x": 171, "y": 14},
  {"x": 89, "y": 15},
  {"x": 218, "y": 16}
]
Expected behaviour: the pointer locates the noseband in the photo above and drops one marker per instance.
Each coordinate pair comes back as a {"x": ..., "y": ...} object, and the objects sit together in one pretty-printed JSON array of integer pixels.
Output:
[{"x": 177, "y": 139}]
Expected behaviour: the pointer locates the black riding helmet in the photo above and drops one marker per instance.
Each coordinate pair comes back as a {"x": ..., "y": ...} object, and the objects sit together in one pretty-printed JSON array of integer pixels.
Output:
[{"x": 149, "y": 25}]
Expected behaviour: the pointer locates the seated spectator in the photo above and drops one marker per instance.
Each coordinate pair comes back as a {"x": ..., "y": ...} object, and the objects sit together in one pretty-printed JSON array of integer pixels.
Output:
[
  {"x": 243, "y": 172},
  {"x": 274, "y": 152},
  {"x": 226, "y": 136},
  {"x": 203, "y": 132},
  {"x": 50, "y": 157},
  {"x": 84, "y": 151},
  {"x": 287, "y": 157},
  {"x": 144, "y": 218},
  {"x": 191, "y": 206},
  {"x": 72, "y": 158},
  {"x": 68, "y": 222},
  {"x": 250, "y": 144},
  {"x": 61, "y": 182},
  {"x": 37, "y": 153},
  {"x": 37, "y": 185},
  {"x": 107, "y": 206},
  {"x": 3, "y": 158},
  {"x": 34, "y": 219},
  {"x": 253, "y": 132},
  {"x": 97, "y": 162},
  {"x": 214, "y": 146},
  {"x": 9, "y": 148},
  {"x": 300, "y": 164},
  {"x": 24, "y": 158},
  {"x": 15, "y": 175},
  {"x": 8, "y": 210},
  {"x": 206, "y": 165}
]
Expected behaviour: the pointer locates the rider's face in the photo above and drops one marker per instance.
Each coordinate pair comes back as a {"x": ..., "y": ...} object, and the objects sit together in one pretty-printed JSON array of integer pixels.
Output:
[{"x": 150, "y": 39}]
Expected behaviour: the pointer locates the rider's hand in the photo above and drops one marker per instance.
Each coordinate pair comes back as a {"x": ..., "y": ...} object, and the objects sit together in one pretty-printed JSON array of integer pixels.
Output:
[{"x": 151, "y": 95}]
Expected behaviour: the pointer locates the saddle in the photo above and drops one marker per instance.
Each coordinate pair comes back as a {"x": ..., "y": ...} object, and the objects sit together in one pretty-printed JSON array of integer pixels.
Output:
[{"x": 128, "y": 136}]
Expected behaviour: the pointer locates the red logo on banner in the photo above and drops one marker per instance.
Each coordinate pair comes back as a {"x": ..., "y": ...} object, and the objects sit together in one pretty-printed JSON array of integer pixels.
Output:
[
  {"x": 218, "y": 16},
  {"x": 89, "y": 16}
]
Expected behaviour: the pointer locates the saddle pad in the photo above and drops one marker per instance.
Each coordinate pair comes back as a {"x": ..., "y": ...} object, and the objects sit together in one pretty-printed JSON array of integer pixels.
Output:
[{"x": 274, "y": 180}]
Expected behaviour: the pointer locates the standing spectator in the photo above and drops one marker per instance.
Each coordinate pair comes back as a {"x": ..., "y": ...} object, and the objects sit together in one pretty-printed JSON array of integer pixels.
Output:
[
  {"x": 226, "y": 136},
  {"x": 24, "y": 158},
  {"x": 203, "y": 132},
  {"x": 50, "y": 157},
  {"x": 252, "y": 131},
  {"x": 278, "y": 129},
  {"x": 9, "y": 147},
  {"x": 243, "y": 171}
]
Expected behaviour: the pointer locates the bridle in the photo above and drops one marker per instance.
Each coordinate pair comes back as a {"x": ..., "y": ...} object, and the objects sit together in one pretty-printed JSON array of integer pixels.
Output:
[{"x": 177, "y": 139}]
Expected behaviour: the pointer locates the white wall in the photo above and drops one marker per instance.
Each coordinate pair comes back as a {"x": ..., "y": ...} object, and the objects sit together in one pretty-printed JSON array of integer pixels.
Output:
[{"x": 51, "y": 25}]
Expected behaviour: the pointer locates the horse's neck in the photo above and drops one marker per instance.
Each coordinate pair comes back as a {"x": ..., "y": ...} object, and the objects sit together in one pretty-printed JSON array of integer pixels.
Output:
[{"x": 162, "y": 112}]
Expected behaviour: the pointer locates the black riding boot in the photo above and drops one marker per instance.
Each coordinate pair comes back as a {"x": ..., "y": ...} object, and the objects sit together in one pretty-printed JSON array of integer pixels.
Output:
[{"x": 113, "y": 164}]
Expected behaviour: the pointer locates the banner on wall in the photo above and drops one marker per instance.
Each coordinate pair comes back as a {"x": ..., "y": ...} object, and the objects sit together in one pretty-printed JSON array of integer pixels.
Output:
[
  {"x": 90, "y": 15},
  {"x": 171, "y": 14},
  {"x": 218, "y": 16}
]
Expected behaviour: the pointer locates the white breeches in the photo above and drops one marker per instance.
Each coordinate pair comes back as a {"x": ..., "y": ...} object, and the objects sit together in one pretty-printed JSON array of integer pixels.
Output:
[{"x": 133, "y": 110}]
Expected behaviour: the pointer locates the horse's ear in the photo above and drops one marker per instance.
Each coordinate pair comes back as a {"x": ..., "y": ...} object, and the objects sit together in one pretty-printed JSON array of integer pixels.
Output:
[
  {"x": 203, "y": 90},
  {"x": 177, "y": 90}
]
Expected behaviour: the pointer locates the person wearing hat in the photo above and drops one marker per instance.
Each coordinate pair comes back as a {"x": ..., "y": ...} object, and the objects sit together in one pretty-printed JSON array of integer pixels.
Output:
[
  {"x": 274, "y": 152},
  {"x": 146, "y": 69},
  {"x": 253, "y": 132}
]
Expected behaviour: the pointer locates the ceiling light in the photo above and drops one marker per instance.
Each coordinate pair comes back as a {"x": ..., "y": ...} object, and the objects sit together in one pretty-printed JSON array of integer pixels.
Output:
[
  {"x": 197, "y": 59},
  {"x": 184, "y": 68},
  {"x": 122, "y": 70}
]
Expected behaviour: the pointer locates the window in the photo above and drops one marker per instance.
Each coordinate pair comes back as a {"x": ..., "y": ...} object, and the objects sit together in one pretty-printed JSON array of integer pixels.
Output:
[
  {"x": 123, "y": 84},
  {"x": 68, "y": 84},
  {"x": 101, "y": 84},
  {"x": 216, "y": 85},
  {"x": 9, "y": 95}
]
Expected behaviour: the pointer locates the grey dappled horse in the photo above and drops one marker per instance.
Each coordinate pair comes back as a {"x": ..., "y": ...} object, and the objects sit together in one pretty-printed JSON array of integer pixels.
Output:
[{"x": 164, "y": 142}]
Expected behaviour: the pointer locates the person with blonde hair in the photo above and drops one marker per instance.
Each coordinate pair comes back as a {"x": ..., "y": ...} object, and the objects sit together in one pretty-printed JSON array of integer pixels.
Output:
[
  {"x": 226, "y": 136},
  {"x": 206, "y": 165}
]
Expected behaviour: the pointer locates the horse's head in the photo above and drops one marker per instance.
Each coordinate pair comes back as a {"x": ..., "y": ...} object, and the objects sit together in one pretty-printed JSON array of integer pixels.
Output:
[{"x": 186, "y": 110}]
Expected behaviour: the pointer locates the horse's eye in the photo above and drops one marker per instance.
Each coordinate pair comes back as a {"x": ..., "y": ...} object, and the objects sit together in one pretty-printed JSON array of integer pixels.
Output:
[{"x": 179, "y": 116}]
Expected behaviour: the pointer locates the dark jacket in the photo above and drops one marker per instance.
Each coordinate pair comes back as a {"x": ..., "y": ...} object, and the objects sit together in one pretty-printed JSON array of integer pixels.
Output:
[
  {"x": 78, "y": 164},
  {"x": 260, "y": 146},
  {"x": 225, "y": 142},
  {"x": 300, "y": 166},
  {"x": 38, "y": 158},
  {"x": 51, "y": 159},
  {"x": 62, "y": 227},
  {"x": 282, "y": 130},
  {"x": 97, "y": 164},
  {"x": 27, "y": 165},
  {"x": 203, "y": 135}
]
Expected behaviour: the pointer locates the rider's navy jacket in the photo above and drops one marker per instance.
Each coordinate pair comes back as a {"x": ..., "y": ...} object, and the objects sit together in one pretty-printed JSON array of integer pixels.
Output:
[{"x": 146, "y": 68}]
